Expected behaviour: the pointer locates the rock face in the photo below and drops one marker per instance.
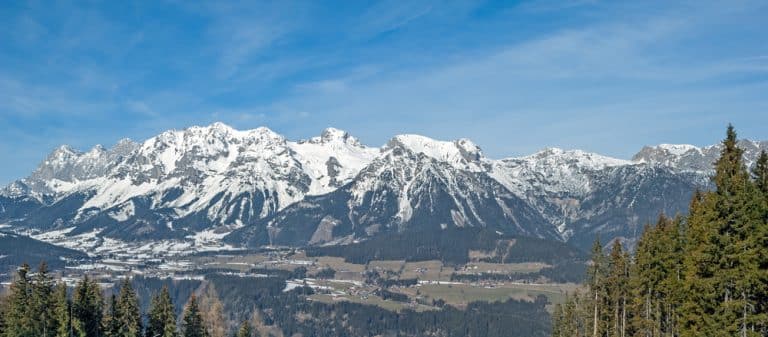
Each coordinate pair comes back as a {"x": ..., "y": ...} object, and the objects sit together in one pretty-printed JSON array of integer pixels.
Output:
[{"x": 257, "y": 188}]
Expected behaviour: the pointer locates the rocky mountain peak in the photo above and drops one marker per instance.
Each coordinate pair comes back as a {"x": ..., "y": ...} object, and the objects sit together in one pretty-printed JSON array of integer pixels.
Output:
[{"x": 690, "y": 158}]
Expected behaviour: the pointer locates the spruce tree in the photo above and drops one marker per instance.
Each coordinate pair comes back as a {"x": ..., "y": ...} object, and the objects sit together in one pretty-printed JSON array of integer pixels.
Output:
[
  {"x": 41, "y": 305},
  {"x": 61, "y": 310},
  {"x": 111, "y": 318},
  {"x": 596, "y": 281},
  {"x": 193, "y": 325},
  {"x": 87, "y": 309},
  {"x": 128, "y": 312},
  {"x": 162, "y": 317},
  {"x": 617, "y": 289},
  {"x": 760, "y": 173},
  {"x": 19, "y": 318}
]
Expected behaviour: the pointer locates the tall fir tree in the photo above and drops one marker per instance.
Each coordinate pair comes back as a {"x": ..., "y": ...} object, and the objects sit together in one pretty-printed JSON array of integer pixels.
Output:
[
  {"x": 19, "y": 318},
  {"x": 760, "y": 173},
  {"x": 111, "y": 318},
  {"x": 617, "y": 289},
  {"x": 61, "y": 310},
  {"x": 596, "y": 281},
  {"x": 162, "y": 317},
  {"x": 87, "y": 309},
  {"x": 128, "y": 312},
  {"x": 193, "y": 325},
  {"x": 40, "y": 302}
]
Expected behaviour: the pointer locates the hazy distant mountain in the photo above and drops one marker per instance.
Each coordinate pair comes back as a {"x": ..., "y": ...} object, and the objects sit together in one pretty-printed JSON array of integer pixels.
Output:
[{"x": 204, "y": 183}]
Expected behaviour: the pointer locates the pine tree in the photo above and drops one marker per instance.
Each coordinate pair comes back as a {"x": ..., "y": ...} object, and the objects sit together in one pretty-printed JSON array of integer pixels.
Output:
[
  {"x": 193, "y": 325},
  {"x": 738, "y": 218},
  {"x": 760, "y": 173},
  {"x": 246, "y": 330},
  {"x": 19, "y": 318},
  {"x": 87, "y": 309},
  {"x": 41, "y": 308},
  {"x": 596, "y": 279},
  {"x": 128, "y": 312},
  {"x": 617, "y": 289},
  {"x": 61, "y": 310},
  {"x": 760, "y": 240},
  {"x": 111, "y": 318},
  {"x": 162, "y": 317}
]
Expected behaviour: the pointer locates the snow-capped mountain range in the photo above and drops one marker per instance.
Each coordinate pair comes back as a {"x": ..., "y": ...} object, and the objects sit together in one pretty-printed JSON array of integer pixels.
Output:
[{"x": 214, "y": 185}]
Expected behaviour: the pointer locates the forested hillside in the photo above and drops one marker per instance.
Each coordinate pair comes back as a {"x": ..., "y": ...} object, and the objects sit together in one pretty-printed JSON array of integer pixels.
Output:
[
  {"x": 704, "y": 274},
  {"x": 226, "y": 305}
]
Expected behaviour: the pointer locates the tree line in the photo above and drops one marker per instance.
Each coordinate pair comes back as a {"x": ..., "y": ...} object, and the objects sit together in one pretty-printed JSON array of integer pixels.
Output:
[
  {"x": 38, "y": 306},
  {"x": 703, "y": 274}
]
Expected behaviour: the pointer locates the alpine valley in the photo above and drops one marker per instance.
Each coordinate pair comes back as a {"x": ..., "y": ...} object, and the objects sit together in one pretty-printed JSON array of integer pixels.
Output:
[{"x": 216, "y": 188}]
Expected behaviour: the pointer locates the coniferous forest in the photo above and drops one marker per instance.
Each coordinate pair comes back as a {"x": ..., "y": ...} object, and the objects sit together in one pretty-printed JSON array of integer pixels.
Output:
[
  {"x": 703, "y": 274},
  {"x": 39, "y": 306}
]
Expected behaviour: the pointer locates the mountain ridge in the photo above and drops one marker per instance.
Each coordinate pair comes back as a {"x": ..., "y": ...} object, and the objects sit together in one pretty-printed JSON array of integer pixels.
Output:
[{"x": 181, "y": 184}]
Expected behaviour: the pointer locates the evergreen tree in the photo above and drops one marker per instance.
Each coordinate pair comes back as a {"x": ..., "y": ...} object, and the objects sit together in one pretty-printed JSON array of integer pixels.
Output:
[
  {"x": 596, "y": 281},
  {"x": 617, "y": 289},
  {"x": 760, "y": 173},
  {"x": 61, "y": 310},
  {"x": 111, "y": 318},
  {"x": 87, "y": 309},
  {"x": 193, "y": 325},
  {"x": 162, "y": 318},
  {"x": 41, "y": 306},
  {"x": 19, "y": 318},
  {"x": 128, "y": 312}
]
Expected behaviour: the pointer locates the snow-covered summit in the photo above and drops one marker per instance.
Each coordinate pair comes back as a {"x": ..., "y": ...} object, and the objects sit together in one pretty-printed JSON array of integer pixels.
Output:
[
  {"x": 461, "y": 153},
  {"x": 690, "y": 158},
  {"x": 553, "y": 170}
]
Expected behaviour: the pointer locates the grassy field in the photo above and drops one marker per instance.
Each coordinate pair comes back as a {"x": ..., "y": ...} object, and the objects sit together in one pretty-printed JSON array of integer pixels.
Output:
[
  {"x": 483, "y": 267},
  {"x": 461, "y": 294}
]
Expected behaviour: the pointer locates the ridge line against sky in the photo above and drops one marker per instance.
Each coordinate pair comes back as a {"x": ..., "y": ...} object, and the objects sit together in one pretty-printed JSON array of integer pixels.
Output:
[{"x": 515, "y": 77}]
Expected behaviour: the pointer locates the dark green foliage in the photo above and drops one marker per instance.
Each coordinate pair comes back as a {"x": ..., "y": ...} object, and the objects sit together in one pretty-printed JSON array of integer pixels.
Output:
[
  {"x": 40, "y": 303},
  {"x": 112, "y": 317},
  {"x": 61, "y": 309},
  {"x": 87, "y": 309},
  {"x": 19, "y": 316},
  {"x": 147, "y": 287},
  {"x": 392, "y": 296},
  {"x": 162, "y": 316},
  {"x": 128, "y": 317},
  {"x": 192, "y": 325},
  {"x": 325, "y": 273},
  {"x": 760, "y": 173}
]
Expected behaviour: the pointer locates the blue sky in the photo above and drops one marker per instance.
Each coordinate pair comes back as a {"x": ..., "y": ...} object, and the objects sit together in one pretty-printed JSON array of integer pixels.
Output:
[{"x": 603, "y": 76}]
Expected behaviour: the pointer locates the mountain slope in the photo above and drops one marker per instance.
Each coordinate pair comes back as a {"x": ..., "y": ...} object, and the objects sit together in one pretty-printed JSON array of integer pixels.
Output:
[
  {"x": 181, "y": 182},
  {"x": 416, "y": 184},
  {"x": 192, "y": 187}
]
